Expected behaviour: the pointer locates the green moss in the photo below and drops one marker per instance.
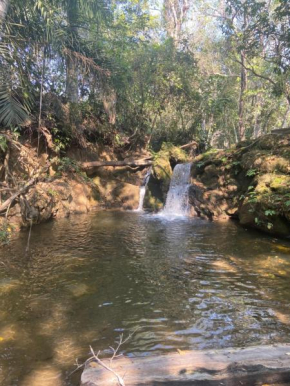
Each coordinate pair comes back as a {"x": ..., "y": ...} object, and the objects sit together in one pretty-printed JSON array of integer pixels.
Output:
[
  {"x": 161, "y": 168},
  {"x": 280, "y": 183},
  {"x": 173, "y": 153},
  {"x": 209, "y": 154}
]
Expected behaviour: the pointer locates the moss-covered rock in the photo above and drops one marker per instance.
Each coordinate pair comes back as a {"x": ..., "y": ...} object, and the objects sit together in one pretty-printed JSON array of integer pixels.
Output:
[
  {"x": 174, "y": 153},
  {"x": 251, "y": 182}
]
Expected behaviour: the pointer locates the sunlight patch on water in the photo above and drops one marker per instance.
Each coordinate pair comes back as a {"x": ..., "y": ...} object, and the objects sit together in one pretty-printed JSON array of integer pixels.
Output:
[
  {"x": 182, "y": 284},
  {"x": 45, "y": 376}
]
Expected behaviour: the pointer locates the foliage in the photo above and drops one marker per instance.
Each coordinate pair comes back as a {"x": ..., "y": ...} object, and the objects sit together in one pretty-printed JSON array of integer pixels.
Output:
[
  {"x": 5, "y": 232},
  {"x": 120, "y": 73},
  {"x": 251, "y": 172},
  {"x": 12, "y": 111},
  {"x": 3, "y": 143},
  {"x": 66, "y": 165}
]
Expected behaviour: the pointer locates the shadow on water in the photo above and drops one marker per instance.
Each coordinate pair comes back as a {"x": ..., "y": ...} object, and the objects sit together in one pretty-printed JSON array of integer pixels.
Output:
[{"x": 184, "y": 284}]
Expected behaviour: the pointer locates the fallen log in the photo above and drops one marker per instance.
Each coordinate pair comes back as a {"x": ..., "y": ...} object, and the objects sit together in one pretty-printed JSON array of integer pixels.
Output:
[
  {"x": 284, "y": 130},
  {"x": 132, "y": 163},
  {"x": 245, "y": 366}
]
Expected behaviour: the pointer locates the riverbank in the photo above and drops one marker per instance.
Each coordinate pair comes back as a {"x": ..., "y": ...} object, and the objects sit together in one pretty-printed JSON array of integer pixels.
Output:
[
  {"x": 249, "y": 183},
  {"x": 38, "y": 185}
]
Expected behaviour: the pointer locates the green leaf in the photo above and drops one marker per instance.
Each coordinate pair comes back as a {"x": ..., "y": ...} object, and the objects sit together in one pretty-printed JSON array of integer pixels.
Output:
[{"x": 12, "y": 112}]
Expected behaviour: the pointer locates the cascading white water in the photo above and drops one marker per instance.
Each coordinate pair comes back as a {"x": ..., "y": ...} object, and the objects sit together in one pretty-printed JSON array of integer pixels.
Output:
[
  {"x": 141, "y": 198},
  {"x": 143, "y": 191},
  {"x": 177, "y": 197}
]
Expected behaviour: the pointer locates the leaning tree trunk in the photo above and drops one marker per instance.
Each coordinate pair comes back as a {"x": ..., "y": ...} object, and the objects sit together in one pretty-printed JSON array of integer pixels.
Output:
[{"x": 3, "y": 10}]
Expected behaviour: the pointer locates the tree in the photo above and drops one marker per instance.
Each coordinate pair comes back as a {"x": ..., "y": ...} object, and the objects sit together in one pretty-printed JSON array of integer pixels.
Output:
[{"x": 175, "y": 12}]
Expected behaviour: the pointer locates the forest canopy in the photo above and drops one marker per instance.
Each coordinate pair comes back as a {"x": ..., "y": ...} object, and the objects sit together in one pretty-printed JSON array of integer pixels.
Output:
[{"x": 144, "y": 72}]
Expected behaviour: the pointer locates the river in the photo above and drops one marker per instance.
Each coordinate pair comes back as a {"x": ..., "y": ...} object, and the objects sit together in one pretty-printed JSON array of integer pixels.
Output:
[{"x": 181, "y": 284}]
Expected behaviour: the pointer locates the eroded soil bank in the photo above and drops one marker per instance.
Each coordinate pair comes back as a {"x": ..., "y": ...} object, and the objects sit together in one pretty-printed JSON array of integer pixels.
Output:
[{"x": 48, "y": 186}]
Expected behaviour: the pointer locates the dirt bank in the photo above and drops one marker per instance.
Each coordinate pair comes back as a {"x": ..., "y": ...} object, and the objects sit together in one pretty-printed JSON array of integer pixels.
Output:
[{"x": 38, "y": 185}]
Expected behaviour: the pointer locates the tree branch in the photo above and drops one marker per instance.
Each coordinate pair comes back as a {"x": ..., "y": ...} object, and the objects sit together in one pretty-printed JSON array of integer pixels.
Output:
[{"x": 255, "y": 72}]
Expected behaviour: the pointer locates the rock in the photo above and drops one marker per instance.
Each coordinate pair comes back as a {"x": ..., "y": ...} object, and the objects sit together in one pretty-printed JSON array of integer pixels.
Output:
[
  {"x": 53, "y": 199},
  {"x": 117, "y": 194},
  {"x": 159, "y": 181},
  {"x": 250, "y": 182},
  {"x": 210, "y": 177}
]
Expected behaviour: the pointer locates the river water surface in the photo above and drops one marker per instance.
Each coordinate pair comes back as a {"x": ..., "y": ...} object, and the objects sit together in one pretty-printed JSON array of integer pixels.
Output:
[{"x": 184, "y": 284}]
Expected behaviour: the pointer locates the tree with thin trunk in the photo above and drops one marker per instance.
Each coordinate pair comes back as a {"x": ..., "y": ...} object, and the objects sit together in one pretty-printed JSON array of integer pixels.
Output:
[
  {"x": 71, "y": 62},
  {"x": 175, "y": 12},
  {"x": 243, "y": 81}
]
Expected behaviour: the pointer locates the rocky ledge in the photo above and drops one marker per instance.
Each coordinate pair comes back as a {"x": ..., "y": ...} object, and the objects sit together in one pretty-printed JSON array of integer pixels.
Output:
[{"x": 250, "y": 182}]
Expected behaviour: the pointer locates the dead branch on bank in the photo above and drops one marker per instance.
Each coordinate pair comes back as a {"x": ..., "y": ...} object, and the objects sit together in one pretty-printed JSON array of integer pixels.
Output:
[{"x": 10, "y": 200}]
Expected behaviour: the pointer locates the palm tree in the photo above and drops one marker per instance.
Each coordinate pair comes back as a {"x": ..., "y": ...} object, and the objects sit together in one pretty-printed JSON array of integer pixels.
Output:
[
  {"x": 79, "y": 13},
  {"x": 30, "y": 26}
]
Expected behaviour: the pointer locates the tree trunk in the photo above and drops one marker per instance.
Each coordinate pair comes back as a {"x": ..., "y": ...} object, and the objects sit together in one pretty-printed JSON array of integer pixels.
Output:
[
  {"x": 71, "y": 80},
  {"x": 243, "y": 366},
  {"x": 243, "y": 88},
  {"x": 174, "y": 14},
  {"x": 3, "y": 10},
  {"x": 71, "y": 62}
]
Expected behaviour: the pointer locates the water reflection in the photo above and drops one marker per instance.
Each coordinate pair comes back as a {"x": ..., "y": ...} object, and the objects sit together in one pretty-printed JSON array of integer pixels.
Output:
[{"x": 184, "y": 284}]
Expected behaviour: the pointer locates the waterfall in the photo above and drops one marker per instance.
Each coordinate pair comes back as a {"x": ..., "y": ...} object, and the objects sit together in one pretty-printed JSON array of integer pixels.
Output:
[
  {"x": 177, "y": 198},
  {"x": 143, "y": 191}
]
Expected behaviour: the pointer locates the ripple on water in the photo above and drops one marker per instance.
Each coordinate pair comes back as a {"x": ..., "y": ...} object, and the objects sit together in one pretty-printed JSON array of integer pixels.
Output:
[{"x": 178, "y": 284}]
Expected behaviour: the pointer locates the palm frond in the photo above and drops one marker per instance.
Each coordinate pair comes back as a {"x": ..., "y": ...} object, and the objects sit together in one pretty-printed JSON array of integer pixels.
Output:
[
  {"x": 12, "y": 111},
  {"x": 88, "y": 64}
]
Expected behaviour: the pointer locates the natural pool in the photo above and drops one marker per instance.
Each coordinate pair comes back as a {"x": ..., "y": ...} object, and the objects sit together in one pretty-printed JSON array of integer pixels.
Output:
[{"x": 184, "y": 283}]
